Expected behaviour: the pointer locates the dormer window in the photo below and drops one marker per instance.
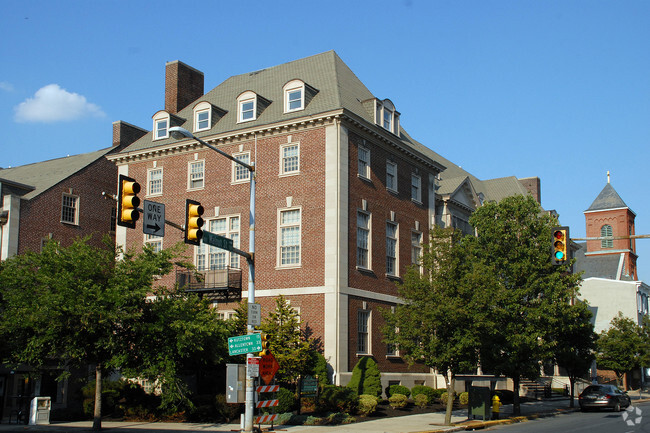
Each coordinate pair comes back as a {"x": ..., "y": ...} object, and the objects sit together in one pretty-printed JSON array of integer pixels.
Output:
[
  {"x": 247, "y": 102},
  {"x": 206, "y": 116},
  {"x": 161, "y": 125},
  {"x": 387, "y": 116},
  {"x": 294, "y": 96},
  {"x": 202, "y": 120}
]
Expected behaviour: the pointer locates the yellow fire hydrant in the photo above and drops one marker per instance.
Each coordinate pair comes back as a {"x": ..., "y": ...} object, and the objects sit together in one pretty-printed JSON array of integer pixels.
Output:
[{"x": 496, "y": 406}]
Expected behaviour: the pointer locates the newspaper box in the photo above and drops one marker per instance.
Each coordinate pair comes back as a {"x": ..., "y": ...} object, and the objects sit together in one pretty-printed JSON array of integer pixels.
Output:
[{"x": 39, "y": 410}]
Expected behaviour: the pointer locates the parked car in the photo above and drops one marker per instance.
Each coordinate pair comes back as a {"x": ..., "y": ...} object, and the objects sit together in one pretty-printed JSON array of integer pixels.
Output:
[{"x": 603, "y": 396}]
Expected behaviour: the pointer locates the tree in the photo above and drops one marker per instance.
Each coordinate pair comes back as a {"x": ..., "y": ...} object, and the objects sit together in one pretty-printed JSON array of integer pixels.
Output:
[
  {"x": 366, "y": 377},
  {"x": 621, "y": 347},
  {"x": 438, "y": 324},
  {"x": 512, "y": 252},
  {"x": 79, "y": 306},
  {"x": 575, "y": 342},
  {"x": 287, "y": 342}
]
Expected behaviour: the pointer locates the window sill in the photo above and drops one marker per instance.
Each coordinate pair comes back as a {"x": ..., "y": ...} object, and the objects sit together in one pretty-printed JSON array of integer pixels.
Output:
[
  {"x": 393, "y": 357},
  {"x": 365, "y": 270},
  {"x": 198, "y": 188},
  {"x": 392, "y": 191},
  {"x": 68, "y": 223},
  {"x": 364, "y": 178},
  {"x": 293, "y": 173},
  {"x": 281, "y": 268},
  {"x": 361, "y": 355},
  {"x": 393, "y": 277},
  {"x": 416, "y": 201}
]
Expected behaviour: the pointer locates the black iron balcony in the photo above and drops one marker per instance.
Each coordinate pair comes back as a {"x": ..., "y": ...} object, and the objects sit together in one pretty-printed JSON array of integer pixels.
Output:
[{"x": 216, "y": 284}]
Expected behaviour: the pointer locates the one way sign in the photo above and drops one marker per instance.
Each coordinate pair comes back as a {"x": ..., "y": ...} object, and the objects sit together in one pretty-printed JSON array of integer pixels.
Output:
[{"x": 154, "y": 218}]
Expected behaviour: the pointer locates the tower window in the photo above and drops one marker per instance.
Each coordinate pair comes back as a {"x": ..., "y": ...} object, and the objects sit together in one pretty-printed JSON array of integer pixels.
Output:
[{"x": 606, "y": 230}]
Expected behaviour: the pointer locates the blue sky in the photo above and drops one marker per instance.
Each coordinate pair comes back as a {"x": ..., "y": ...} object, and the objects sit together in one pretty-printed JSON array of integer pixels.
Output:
[{"x": 554, "y": 89}]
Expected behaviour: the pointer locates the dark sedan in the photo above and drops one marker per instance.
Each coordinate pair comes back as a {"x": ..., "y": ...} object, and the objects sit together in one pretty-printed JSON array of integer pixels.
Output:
[{"x": 603, "y": 396}]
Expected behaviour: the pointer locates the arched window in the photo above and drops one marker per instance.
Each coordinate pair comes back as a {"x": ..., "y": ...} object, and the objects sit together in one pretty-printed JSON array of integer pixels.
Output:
[{"x": 606, "y": 230}]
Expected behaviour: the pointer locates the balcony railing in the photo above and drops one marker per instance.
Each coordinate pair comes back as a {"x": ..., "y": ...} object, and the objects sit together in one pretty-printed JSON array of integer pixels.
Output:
[{"x": 218, "y": 284}]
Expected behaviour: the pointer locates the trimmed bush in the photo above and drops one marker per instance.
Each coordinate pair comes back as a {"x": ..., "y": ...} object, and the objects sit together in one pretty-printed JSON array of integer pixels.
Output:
[
  {"x": 421, "y": 400},
  {"x": 287, "y": 401},
  {"x": 338, "y": 399},
  {"x": 430, "y": 393},
  {"x": 367, "y": 404},
  {"x": 366, "y": 378},
  {"x": 398, "y": 389},
  {"x": 463, "y": 398},
  {"x": 444, "y": 396},
  {"x": 398, "y": 401}
]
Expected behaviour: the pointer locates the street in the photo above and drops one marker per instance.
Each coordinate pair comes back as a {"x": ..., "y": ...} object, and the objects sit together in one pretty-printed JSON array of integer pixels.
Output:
[{"x": 593, "y": 422}]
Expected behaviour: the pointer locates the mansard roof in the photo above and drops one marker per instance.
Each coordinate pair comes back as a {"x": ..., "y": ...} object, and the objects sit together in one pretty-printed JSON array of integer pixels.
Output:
[{"x": 607, "y": 199}]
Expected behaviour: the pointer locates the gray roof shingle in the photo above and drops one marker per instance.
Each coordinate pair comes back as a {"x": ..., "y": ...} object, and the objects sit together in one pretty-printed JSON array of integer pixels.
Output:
[{"x": 607, "y": 199}]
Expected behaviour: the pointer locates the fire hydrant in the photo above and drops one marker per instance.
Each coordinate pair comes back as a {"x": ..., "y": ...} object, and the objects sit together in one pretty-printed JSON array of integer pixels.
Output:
[{"x": 496, "y": 406}]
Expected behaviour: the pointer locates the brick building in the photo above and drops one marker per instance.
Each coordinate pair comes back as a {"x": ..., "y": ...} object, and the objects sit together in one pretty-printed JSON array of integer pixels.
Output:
[
  {"x": 59, "y": 199},
  {"x": 344, "y": 196}
]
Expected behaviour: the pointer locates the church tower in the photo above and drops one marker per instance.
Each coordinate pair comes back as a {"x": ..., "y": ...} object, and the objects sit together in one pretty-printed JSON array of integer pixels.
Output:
[{"x": 608, "y": 215}]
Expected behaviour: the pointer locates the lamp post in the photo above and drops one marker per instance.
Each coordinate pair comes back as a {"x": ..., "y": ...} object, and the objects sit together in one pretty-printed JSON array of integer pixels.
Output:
[{"x": 179, "y": 133}]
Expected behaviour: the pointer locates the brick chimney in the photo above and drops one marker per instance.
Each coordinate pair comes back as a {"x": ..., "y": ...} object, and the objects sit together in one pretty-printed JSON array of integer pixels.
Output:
[
  {"x": 183, "y": 84},
  {"x": 125, "y": 134},
  {"x": 533, "y": 186}
]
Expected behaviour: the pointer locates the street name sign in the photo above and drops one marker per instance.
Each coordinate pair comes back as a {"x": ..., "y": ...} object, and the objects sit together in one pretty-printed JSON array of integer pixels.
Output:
[
  {"x": 217, "y": 241},
  {"x": 244, "y": 344},
  {"x": 154, "y": 218}
]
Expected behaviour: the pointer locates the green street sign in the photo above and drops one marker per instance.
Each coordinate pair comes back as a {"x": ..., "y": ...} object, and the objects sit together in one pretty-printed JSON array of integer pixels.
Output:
[
  {"x": 244, "y": 344},
  {"x": 217, "y": 241}
]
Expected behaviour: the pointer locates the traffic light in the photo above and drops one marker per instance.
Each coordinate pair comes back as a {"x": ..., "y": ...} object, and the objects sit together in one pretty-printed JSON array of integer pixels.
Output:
[
  {"x": 127, "y": 202},
  {"x": 560, "y": 249},
  {"x": 193, "y": 222},
  {"x": 266, "y": 344}
]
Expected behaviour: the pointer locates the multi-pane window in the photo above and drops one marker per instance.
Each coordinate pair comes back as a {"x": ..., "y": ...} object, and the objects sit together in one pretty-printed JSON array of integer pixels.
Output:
[
  {"x": 202, "y": 120},
  {"x": 363, "y": 240},
  {"x": 155, "y": 242},
  {"x": 416, "y": 248},
  {"x": 70, "y": 209},
  {"x": 290, "y": 159},
  {"x": 391, "y": 248},
  {"x": 241, "y": 173},
  {"x": 363, "y": 331},
  {"x": 391, "y": 175},
  {"x": 196, "y": 173},
  {"x": 155, "y": 181},
  {"x": 161, "y": 128},
  {"x": 247, "y": 110},
  {"x": 416, "y": 188},
  {"x": 364, "y": 162},
  {"x": 211, "y": 258},
  {"x": 606, "y": 230},
  {"x": 289, "y": 233},
  {"x": 294, "y": 99},
  {"x": 388, "y": 119}
]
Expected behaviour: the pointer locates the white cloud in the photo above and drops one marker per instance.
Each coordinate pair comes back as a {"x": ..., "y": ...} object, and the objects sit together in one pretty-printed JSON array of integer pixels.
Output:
[
  {"x": 54, "y": 104},
  {"x": 7, "y": 87}
]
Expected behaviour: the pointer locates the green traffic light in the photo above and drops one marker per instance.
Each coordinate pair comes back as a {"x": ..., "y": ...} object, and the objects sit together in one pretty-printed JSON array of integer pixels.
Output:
[{"x": 559, "y": 255}]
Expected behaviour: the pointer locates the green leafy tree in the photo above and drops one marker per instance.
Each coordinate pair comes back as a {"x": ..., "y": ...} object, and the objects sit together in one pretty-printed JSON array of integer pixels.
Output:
[
  {"x": 287, "y": 342},
  {"x": 366, "y": 377},
  {"x": 621, "y": 348},
  {"x": 512, "y": 253},
  {"x": 79, "y": 305},
  {"x": 574, "y": 342},
  {"x": 238, "y": 323},
  {"x": 438, "y": 324}
]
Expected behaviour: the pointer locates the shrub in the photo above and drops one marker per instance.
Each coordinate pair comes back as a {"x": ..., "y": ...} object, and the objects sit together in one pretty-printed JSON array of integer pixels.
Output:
[
  {"x": 398, "y": 389},
  {"x": 227, "y": 412},
  {"x": 366, "y": 378},
  {"x": 430, "y": 393},
  {"x": 367, "y": 404},
  {"x": 421, "y": 400},
  {"x": 444, "y": 396},
  {"x": 287, "y": 400},
  {"x": 463, "y": 398},
  {"x": 398, "y": 401},
  {"x": 338, "y": 399}
]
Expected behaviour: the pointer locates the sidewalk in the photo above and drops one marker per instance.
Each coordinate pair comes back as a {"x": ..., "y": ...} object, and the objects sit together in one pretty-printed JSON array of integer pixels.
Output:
[{"x": 429, "y": 423}]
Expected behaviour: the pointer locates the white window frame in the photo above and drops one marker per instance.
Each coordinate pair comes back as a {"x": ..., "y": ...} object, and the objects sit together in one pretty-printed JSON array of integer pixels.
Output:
[
  {"x": 226, "y": 314},
  {"x": 207, "y": 257},
  {"x": 150, "y": 181},
  {"x": 416, "y": 188},
  {"x": 243, "y": 100},
  {"x": 284, "y": 159},
  {"x": 190, "y": 165},
  {"x": 364, "y": 328},
  {"x": 291, "y": 88},
  {"x": 155, "y": 241},
  {"x": 71, "y": 207},
  {"x": 416, "y": 249},
  {"x": 281, "y": 247},
  {"x": 395, "y": 253},
  {"x": 364, "y": 252},
  {"x": 390, "y": 165},
  {"x": 160, "y": 133},
  {"x": 198, "y": 121},
  {"x": 364, "y": 162},
  {"x": 241, "y": 174}
]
